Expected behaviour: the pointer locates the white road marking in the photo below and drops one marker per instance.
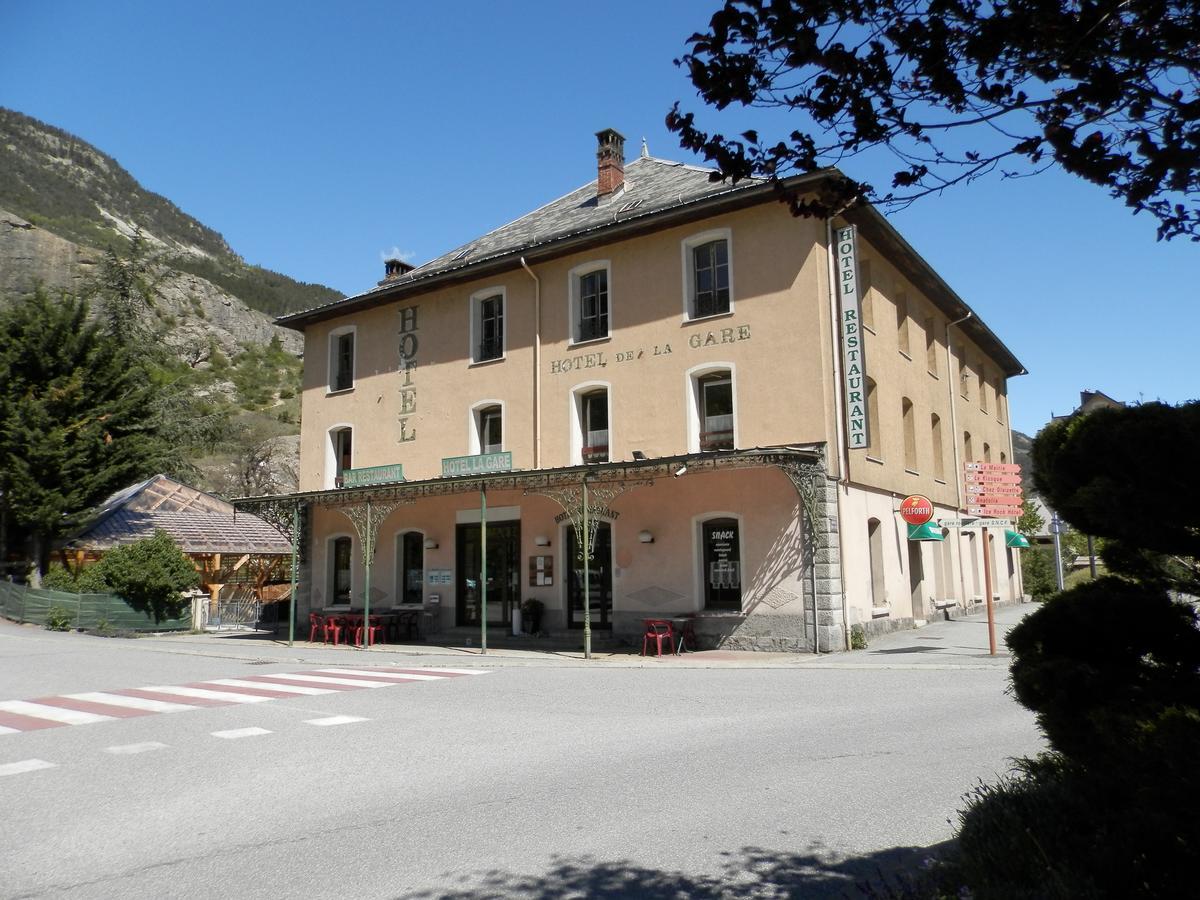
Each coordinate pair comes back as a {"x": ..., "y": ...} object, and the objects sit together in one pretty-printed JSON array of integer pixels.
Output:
[
  {"x": 272, "y": 686},
  {"x": 321, "y": 679},
  {"x": 388, "y": 675},
  {"x": 132, "y": 702},
  {"x": 53, "y": 713},
  {"x": 236, "y": 733},
  {"x": 207, "y": 695},
  {"x": 6, "y": 730},
  {"x": 334, "y": 720},
  {"x": 129, "y": 749},
  {"x": 457, "y": 671},
  {"x": 27, "y": 765}
]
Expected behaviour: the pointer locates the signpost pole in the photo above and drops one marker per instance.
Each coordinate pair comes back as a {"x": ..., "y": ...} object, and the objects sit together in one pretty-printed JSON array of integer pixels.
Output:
[
  {"x": 292, "y": 600},
  {"x": 369, "y": 553},
  {"x": 483, "y": 565},
  {"x": 587, "y": 584},
  {"x": 987, "y": 590}
]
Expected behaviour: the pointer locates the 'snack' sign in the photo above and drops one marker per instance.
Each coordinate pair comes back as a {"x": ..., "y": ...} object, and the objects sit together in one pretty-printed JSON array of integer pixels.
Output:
[{"x": 853, "y": 358}]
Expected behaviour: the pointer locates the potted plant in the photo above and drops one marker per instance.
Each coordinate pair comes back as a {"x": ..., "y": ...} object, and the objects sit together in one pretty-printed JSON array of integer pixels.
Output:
[{"x": 531, "y": 615}]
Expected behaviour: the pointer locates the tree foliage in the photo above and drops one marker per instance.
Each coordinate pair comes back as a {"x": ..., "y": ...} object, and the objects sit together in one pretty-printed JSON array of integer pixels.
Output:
[
  {"x": 74, "y": 422},
  {"x": 150, "y": 575},
  {"x": 956, "y": 90},
  {"x": 1125, "y": 475}
]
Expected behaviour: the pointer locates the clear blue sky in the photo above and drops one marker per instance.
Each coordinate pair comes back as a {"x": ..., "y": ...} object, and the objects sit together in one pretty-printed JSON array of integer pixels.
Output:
[{"x": 319, "y": 138}]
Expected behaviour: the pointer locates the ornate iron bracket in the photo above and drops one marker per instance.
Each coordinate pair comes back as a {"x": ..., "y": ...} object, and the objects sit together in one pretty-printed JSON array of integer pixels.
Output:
[
  {"x": 600, "y": 497},
  {"x": 366, "y": 517}
]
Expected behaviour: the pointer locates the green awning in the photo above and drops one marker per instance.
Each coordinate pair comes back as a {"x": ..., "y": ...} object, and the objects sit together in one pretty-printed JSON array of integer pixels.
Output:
[
  {"x": 930, "y": 531},
  {"x": 1015, "y": 539}
]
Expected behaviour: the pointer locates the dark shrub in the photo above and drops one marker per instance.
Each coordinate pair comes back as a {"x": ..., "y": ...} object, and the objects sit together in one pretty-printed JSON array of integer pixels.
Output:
[{"x": 1103, "y": 663}]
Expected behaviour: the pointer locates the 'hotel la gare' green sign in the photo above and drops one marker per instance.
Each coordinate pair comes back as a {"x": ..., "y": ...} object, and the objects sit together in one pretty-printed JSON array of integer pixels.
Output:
[{"x": 482, "y": 464}]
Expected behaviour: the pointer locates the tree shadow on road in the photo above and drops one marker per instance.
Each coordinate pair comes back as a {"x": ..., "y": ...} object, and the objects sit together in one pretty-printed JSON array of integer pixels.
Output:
[{"x": 900, "y": 873}]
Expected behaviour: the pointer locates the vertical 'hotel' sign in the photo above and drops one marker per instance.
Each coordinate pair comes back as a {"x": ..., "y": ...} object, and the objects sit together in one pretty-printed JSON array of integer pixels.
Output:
[{"x": 853, "y": 361}]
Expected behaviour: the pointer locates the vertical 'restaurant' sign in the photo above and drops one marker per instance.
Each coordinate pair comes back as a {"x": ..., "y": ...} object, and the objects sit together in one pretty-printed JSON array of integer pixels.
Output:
[{"x": 850, "y": 323}]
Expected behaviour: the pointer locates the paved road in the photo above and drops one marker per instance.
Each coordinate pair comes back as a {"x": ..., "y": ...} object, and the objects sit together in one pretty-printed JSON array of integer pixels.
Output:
[{"x": 539, "y": 775}]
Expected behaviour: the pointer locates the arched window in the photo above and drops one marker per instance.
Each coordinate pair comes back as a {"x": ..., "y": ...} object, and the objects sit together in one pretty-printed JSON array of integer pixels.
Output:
[
  {"x": 987, "y": 452},
  {"x": 489, "y": 422},
  {"x": 340, "y": 455},
  {"x": 339, "y": 571},
  {"x": 410, "y": 567},
  {"x": 593, "y": 426},
  {"x": 721, "y": 556},
  {"x": 968, "y": 447},
  {"x": 712, "y": 405},
  {"x": 910, "y": 434}
]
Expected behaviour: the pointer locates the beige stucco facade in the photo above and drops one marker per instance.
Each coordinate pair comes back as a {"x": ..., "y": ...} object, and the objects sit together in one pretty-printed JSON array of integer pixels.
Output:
[{"x": 937, "y": 396}]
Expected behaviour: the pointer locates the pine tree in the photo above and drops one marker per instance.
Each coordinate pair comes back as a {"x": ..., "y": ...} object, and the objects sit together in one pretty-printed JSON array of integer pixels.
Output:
[{"x": 76, "y": 419}]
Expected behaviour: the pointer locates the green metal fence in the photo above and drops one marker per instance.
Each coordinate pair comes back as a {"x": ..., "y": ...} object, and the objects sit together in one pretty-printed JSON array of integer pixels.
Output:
[{"x": 25, "y": 604}]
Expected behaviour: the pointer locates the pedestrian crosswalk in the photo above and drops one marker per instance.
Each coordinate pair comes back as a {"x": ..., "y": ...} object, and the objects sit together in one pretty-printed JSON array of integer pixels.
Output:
[{"x": 93, "y": 707}]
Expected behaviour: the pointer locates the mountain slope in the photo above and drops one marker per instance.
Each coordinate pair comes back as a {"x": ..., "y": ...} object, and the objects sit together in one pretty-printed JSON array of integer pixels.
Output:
[{"x": 58, "y": 182}]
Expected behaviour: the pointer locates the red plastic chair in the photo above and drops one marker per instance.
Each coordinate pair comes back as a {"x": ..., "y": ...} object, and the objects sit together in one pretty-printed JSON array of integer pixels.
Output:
[
  {"x": 316, "y": 623},
  {"x": 659, "y": 630},
  {"x": 376, "y": 630},
  {"x": 334, "y": 626}
]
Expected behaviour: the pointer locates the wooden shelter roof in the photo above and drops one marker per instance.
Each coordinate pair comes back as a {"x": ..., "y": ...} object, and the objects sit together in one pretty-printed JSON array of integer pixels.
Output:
[{"x": 200, "y": 523}]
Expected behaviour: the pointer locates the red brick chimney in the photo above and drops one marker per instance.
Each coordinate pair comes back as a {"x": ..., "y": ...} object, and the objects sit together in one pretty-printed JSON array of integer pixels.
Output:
[{"x": 610, "y": 160}]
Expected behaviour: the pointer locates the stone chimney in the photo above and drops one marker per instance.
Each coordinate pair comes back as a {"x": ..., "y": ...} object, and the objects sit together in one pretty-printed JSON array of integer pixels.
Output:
[
  {"x": 610, "y": 160},
  {"x": 394, "y": 268}
]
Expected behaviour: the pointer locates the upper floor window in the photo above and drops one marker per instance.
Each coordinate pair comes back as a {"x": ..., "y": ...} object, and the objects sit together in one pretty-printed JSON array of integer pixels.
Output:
[
  {"x": 708, "y": 277},
  {"x": 341, "y": 445},
  {"x": 594, "y": 426},
  {"x": 487, "y": 325},
  {"x": 341, "y": 359},
  {"x": 939, "y": 453},
  {"x": 931, "y": 358},
  {"x": 589, "y": 302},
  {"x": 902, "y": 327},
  {"x": 716, "y": 412},
  {"x": 490, "y": 422}
]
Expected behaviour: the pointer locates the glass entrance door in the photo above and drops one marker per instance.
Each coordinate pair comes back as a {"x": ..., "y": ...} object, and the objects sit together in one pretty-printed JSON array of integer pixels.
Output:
[
  {"x": 599, "y": 580},
  {"x": 503, "y": 572}
]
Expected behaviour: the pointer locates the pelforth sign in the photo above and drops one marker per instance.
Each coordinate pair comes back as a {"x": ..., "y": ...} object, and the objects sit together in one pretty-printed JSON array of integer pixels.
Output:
[{"x": 850, "y": 323}]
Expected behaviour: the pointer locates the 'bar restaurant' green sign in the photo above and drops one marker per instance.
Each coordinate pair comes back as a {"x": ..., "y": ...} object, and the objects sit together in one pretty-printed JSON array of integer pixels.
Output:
[
  {"x": 373, "y": 475},
  {"x": 482, "y": 464}
]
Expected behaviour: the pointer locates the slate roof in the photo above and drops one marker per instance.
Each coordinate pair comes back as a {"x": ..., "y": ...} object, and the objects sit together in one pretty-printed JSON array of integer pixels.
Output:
[
  {"x": 651, "y": 186},
  {"x": 656, "y": 193},
  {"x": 199, "y": 522}
]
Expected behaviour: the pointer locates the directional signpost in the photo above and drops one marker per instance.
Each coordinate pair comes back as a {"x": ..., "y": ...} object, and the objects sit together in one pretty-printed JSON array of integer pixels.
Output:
[{"x": 993, "y": 500}]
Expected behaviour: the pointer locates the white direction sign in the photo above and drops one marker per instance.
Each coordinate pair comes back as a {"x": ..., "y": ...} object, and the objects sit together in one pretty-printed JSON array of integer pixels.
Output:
[{"x": 972, "y": 522}]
